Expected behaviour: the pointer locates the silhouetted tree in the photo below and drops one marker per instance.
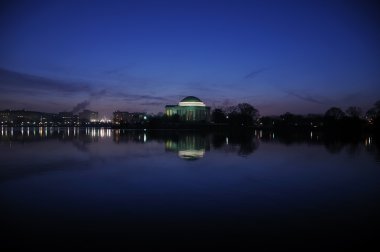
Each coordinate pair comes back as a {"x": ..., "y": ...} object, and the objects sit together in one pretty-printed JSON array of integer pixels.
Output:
[
  {"x": 375, "y": 109},
  {"x": 373, "y": 115},
  {"x": 354, "y": 112},
  {"x": 243, "y": 114},
  {"x": 249, "y": 110},
  {"x": 354, "y": 121},
  {"x": 334, "y": 119},
  {"x": 230, "y": 109},
  {"x": 290, "y": 120},
  {"x": 247, "y": 113},
  {"x": 335, "y": 113},
  {"x": 218, "y": 116}
]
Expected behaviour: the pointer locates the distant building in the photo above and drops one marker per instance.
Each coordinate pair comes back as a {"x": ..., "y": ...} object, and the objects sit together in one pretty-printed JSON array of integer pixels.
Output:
[
  {"x": 123, "y": 118},
  {"x": 26, "y": 118},
  {"x": 120, "y": 117},
  {"x": 189, "y": 109},
  {"x": 67, "y": 118},
  {"x": 87, "y": 116},
  {"x": 5, "y": 117}
]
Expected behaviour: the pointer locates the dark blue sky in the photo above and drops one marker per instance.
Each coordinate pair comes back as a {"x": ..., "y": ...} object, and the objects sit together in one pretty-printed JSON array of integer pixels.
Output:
[{"x": 296, "y": 56}]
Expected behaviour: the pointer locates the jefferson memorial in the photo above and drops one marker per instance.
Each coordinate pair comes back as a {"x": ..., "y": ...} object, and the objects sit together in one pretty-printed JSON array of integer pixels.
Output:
[{"x": 189, "y": 109}]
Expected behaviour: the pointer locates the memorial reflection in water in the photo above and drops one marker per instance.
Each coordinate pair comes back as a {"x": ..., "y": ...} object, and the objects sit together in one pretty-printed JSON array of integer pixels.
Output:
[{"x": 189, "y": 147}]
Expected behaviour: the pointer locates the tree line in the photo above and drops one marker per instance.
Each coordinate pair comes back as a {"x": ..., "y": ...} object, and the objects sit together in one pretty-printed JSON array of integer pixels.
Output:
[
  {"x": 334, "y": 118},
  {"x": 244, "y": 115}
]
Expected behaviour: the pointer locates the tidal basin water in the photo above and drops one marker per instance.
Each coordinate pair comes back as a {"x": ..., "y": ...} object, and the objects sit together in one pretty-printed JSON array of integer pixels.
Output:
[{"x": 92, "y": 188}]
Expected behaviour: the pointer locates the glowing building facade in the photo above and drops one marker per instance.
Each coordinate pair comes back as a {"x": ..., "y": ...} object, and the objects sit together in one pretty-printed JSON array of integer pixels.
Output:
[
  {"x": 189, "y": 109},
  {"x": 87, "y": 116}
]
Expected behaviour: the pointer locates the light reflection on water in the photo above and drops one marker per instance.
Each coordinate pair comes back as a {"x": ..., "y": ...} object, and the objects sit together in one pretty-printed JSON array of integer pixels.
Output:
[
  {"x": 8, "y": 132},
  {"x": 257, "y": 185},
  {"x": 188, "y": 145}
]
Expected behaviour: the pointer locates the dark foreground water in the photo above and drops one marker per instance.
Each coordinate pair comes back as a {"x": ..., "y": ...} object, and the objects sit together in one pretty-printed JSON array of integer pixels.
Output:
[{"x": 165, "y": 190}]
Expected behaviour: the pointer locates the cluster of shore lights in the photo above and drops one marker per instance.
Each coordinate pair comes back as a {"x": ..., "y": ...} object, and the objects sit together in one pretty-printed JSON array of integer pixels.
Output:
[{"x": 191, "y": 104}]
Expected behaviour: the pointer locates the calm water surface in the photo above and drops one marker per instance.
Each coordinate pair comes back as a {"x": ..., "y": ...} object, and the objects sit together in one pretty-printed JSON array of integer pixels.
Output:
[{"x": 91, "y": 188}]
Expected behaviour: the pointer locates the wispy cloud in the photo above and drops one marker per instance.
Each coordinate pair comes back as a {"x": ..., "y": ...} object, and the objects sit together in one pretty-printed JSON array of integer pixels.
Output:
[
  {"x": 137, "y": 97},
  {"x": 14, "y": 84},
  {"x": 152, "y": 103},
  {"x": 255, "y": 72},
  {"x": 34, "y": 92},
  {"x": 307, "y": 97},
  {"x": 11, "y": 82},
  {"x": 118, "y": 70}
]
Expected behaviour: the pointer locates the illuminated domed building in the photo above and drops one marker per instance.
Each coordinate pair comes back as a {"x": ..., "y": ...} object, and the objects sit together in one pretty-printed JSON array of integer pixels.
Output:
[{"x": 189, "y": 109}]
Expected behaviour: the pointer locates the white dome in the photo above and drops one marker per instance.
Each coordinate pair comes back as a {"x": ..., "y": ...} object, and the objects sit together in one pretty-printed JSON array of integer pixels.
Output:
[{"x": 191, "y": 101}]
